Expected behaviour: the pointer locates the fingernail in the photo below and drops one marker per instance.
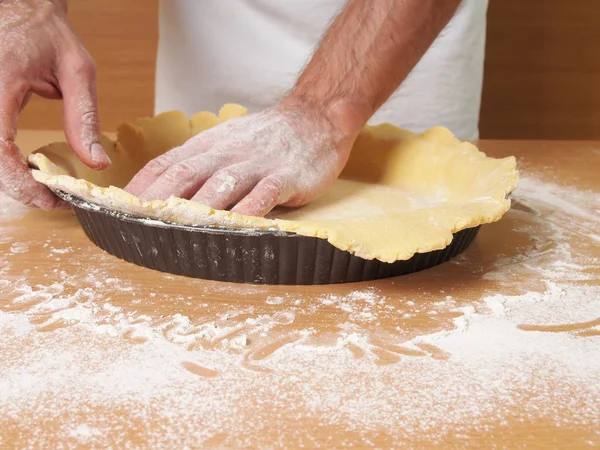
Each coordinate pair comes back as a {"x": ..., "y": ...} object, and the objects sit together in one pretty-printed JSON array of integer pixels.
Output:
[{"x": 98, "y": 154}]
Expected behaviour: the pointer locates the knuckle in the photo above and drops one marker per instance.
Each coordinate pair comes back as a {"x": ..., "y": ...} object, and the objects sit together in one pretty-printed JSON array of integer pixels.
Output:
[
  {"x": 273, "y": 184},
  {"x": 90, "y": 117},
  {"x": 228, "y": 175},
  {"x": 181, "y": 171},
  {"x": 157, "y": 165},
  {"x": 84, "y": 65}
]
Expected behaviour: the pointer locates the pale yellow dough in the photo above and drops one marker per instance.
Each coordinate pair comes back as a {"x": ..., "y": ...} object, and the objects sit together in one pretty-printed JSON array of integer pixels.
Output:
[{"x": 400, "y": 193}]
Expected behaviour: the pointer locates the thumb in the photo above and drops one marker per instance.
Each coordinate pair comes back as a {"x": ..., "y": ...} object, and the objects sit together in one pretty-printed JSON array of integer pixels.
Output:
[
  {"x": 77, "y": 82},
  {"x": 15, "y": 179}
]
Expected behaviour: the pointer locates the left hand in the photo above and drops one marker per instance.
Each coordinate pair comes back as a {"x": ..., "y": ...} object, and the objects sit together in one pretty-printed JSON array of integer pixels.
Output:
[{"x": 285, "y": 155}]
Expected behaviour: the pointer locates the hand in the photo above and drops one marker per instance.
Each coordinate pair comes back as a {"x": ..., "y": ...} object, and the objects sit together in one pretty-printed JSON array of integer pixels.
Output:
[
  {"x": 286, "y": 155},
  {"x": 40, "y": 54}
]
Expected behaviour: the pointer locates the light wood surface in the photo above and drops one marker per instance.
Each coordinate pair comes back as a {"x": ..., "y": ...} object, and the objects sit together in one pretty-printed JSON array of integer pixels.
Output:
[
  {"x": 541, "y": 74},
  {"x": 158, "y": 296}
]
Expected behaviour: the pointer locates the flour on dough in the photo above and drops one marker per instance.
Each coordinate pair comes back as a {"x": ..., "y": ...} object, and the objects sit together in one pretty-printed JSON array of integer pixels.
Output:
[{"x": 400, "y": 193}]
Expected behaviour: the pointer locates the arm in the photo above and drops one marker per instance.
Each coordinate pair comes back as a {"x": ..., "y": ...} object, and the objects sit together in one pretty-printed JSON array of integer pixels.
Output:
[
  {"x": 290, "y": 153},
  {"x": 368, "y": 51}
]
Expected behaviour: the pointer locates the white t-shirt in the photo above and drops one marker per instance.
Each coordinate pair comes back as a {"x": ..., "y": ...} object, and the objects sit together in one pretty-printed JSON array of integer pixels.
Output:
[{"x": 251, "y": 52}]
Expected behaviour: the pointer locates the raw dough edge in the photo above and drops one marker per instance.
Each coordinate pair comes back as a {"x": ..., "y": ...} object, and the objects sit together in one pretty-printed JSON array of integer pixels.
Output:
[{"x": 419, "y": 232}]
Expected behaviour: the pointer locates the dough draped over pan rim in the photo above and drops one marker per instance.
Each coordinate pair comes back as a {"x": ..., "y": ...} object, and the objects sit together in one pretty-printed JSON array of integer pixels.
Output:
[{"x": 400, "y": 193}]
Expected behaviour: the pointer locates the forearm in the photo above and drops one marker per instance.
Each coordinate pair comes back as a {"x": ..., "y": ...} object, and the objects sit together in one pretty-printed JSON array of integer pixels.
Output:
[{"x": 367, "y": 52}]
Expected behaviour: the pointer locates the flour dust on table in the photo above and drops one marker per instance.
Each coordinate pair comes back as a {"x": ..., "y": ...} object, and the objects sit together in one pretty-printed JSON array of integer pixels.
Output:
[{"x": 83, "y": 366}]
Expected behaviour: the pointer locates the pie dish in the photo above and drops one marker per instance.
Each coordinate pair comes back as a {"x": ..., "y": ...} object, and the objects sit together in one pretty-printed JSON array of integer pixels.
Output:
[{"x": 401, "y": 196}]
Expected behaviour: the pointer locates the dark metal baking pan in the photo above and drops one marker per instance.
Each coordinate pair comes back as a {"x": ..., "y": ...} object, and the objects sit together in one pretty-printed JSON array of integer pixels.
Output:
[{"x": 241, "y": 255}]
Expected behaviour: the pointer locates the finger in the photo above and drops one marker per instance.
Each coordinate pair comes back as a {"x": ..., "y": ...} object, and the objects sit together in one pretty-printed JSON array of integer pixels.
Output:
[
  {"x": 16, "y": 180},
  {"x": 158, "y": 166},
  {"x": 267, "y": 194},
  {"x": 185, "y": 178},
  {"x": 228, "y": 186},
  {"x": 77, "y": 82}
]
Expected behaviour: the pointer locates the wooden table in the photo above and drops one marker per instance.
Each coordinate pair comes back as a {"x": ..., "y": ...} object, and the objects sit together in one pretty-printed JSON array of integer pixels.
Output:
[{"x": 99, "y": 352}]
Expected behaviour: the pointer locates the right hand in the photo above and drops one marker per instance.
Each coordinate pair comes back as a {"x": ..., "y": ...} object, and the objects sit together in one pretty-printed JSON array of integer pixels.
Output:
[{"x": 40, "y": 54}]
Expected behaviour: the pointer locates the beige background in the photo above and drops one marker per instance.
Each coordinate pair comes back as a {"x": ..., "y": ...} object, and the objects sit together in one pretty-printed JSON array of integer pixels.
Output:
[{"x": 542, "y": 69}]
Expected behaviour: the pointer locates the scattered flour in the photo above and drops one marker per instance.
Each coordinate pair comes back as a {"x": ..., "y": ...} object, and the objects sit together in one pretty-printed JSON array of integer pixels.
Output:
[
  {"x": 62, "y": 251},
  {"x": 11, "y": 209},
  {"x": 19, "y": 247},
  {"x": 228, "y": 185},
  {"x": 82, "y": 367},
  {"x": 274, "y": 300}
]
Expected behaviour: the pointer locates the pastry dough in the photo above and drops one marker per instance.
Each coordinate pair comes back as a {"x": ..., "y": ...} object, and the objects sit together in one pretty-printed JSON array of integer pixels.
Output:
[{"x": 400, "y": 193}]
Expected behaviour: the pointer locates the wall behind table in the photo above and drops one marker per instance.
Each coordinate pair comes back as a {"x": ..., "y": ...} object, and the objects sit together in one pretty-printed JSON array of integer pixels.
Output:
[
  {"x": 542, "y": 77},
  {"x": 542, "y": 72}
]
